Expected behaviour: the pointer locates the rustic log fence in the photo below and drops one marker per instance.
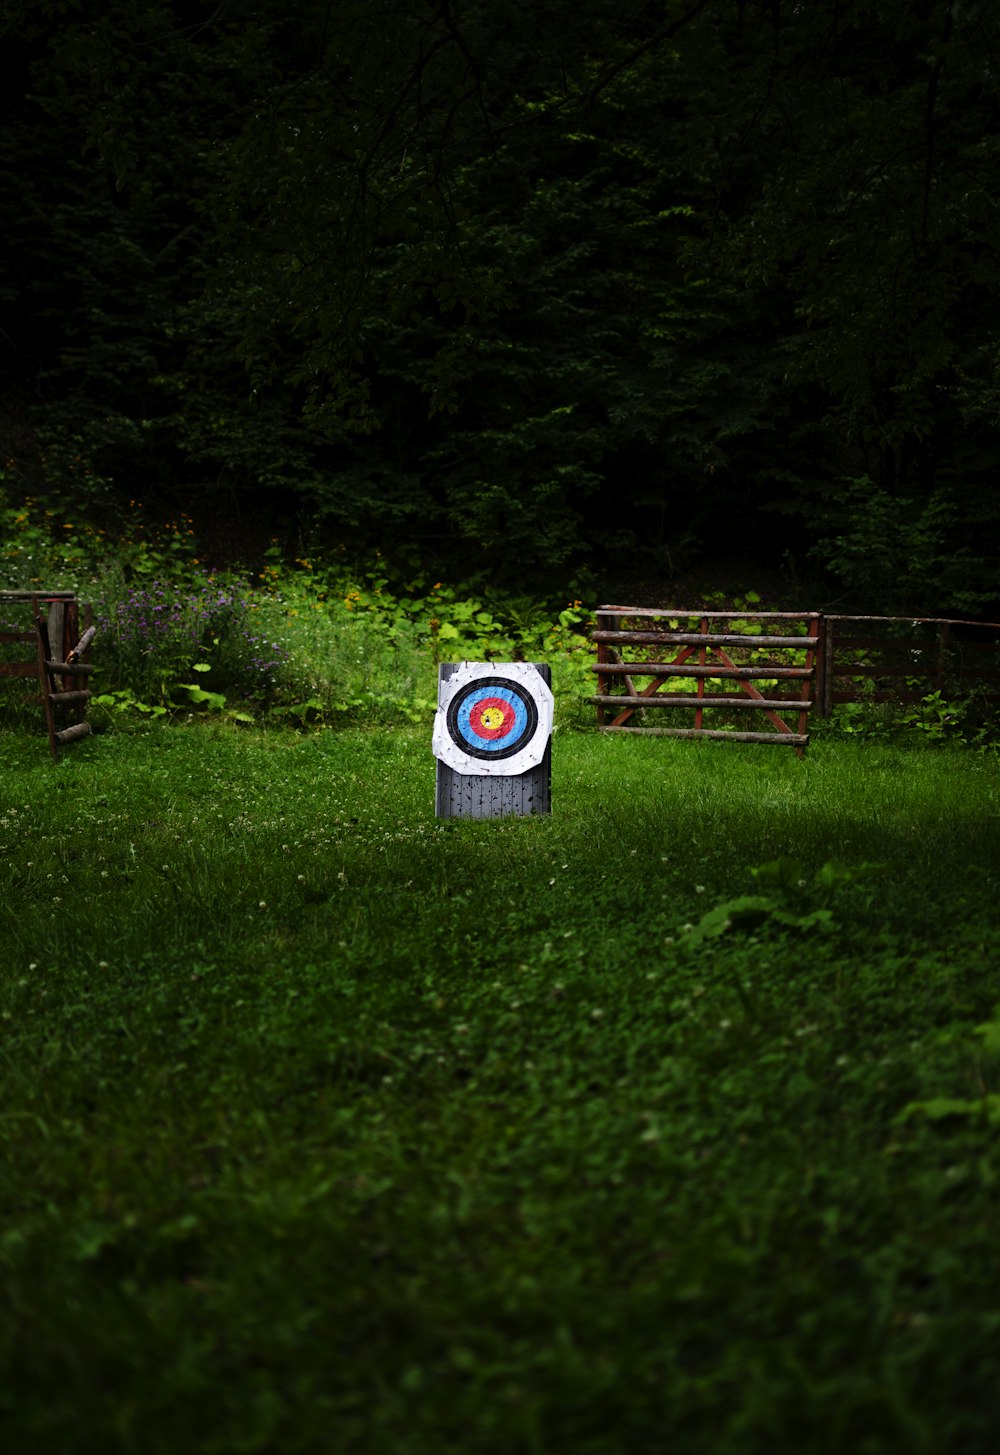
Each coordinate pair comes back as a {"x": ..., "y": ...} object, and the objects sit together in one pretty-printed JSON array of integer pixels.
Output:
[
  {"x": 59, "y": 663},
  {"x": 904, "y": 659},
  {"x": 715, "y": 664},
  {"x": 709, "y": 663}
]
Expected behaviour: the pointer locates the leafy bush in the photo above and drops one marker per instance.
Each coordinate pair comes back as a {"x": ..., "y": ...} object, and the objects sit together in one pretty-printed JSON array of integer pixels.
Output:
[
  {"x": 306, "y": 640},
  {"x": 936, "y": 720},
  {"x": 902, "y": 552},
  {"x": 357, "y": 647},
  {"x": 795, "y": 900},
  {"x": 41, "y": 547},
  {"x": 155, "y": 634}
]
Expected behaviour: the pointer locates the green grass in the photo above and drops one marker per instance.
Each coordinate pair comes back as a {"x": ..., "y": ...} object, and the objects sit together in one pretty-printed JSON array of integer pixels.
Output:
[{"x": 327, "y": 1127}]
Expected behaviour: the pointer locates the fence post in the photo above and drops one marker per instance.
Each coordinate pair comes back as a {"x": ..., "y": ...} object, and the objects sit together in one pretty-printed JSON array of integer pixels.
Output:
[
  {"x": 829, "y": 649},
  {"x": 821, "y": 664},
  {"x": 608, "y": 623},
  {"x": 699, "y": 712},
  {"x": 944, "y": 634}
]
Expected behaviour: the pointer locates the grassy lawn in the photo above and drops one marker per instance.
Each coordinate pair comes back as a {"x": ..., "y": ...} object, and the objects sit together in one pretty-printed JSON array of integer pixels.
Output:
[{"x": 327, "y": 1127}]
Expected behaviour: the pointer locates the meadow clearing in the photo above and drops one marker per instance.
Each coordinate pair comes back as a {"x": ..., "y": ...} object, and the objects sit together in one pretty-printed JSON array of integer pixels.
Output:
[{"x": 668, "y": 1121}]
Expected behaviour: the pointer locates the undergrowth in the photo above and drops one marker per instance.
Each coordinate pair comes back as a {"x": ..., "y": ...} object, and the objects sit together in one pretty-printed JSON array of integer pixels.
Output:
[
  {"x": 301, "y": 641},
  {"x": 320, "y": 641}
]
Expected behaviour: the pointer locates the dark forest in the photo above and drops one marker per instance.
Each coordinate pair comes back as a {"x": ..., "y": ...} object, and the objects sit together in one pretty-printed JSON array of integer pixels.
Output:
[{"x": 522, "y": 292}]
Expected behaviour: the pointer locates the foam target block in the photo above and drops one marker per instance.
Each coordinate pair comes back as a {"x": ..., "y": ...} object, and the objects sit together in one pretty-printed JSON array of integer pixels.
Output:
[{"x": 492, "y": 739}]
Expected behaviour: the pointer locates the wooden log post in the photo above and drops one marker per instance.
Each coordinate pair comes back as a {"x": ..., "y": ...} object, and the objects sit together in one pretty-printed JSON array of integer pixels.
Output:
[
  {"x": 73, "y": 732},
  {"x": 61, "y": 674},
  {"x": 941, "y": 671},
  {"x": 56, "y": 624},
  {"x": 606, "y": 624},
  {"x": 82, "y": 645},
  {"x": 699, "y": 712}
]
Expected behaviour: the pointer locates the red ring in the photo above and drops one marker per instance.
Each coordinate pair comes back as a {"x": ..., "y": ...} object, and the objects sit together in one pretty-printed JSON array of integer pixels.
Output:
[{"x": 476, "y": 714}]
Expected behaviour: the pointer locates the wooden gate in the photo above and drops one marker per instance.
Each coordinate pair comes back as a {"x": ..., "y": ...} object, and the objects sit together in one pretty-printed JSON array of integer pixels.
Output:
[
  {"x": 58, "y": 662},
  {"x": 712, "y": 664}
]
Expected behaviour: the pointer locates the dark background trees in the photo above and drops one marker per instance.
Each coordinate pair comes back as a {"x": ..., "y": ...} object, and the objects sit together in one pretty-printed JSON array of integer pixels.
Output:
[{"x": 520, "y": 290}]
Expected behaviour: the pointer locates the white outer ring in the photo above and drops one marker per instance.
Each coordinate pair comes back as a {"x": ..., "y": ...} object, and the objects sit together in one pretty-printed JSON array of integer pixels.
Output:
[{"x": 448, "y": 751}]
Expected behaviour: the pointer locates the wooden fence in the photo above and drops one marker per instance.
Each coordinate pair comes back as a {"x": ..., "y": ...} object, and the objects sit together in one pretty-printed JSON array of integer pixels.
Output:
[
  {"x": 58, "y": 661},
  {"x": 715, "y": 664},
  {"x": 710, "y": 664},
  {"x": 903, "y": 659}
]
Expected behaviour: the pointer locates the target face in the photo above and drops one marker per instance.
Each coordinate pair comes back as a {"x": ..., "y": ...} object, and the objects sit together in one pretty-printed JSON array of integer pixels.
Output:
[{"x": 493, "y": 718}]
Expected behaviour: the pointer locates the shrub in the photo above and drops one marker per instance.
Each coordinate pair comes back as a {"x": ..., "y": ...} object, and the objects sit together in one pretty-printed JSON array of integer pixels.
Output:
[{"x": 156, "y": 634}]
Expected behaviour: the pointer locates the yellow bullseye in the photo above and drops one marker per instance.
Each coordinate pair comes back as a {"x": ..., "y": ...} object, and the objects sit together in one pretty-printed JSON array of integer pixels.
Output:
[{"x": 491, "y": 718}]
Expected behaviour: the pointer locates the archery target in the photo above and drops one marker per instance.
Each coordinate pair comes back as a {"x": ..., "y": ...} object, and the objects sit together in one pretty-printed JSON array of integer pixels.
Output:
[{"x": 493, "y": 718}]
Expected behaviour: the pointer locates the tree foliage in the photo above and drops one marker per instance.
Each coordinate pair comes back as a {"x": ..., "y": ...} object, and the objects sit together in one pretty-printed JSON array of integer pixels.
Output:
[
  {"x": 534, "y": 285},
  {"x": 121, "y": 374}
]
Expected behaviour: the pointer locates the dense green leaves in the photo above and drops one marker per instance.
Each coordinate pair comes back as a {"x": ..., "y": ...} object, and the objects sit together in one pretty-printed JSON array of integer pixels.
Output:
[
  {"x": 580, "y": 285},
  {"x": 118, "y": 370}
]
